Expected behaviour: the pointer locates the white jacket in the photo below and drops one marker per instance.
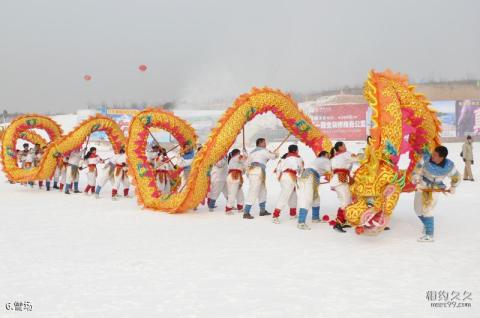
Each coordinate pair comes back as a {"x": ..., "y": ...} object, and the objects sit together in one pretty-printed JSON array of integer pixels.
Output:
[
  {"x": 74, "y": 158},
  {"x": 342, "y": 160},
  {"x": 428, "y": 175},
  {"x": 219, "y": 171},
  {"x": 261, "y": 156},
  {"x": 322, "y": 165},
  {"x": 237, "y": 163},
  {"x": 119, "y": 159},
  {"x": 291, "y": 163}
]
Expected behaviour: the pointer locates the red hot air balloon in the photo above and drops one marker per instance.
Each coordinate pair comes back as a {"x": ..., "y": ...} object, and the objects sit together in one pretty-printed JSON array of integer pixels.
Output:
[
  {"x": 142, "y": 68},
  {"x": 87, "y": 77}
]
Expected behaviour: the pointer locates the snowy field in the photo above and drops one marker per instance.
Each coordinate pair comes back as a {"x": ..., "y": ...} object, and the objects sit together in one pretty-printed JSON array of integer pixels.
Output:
[{"x": 75, "y": 256}]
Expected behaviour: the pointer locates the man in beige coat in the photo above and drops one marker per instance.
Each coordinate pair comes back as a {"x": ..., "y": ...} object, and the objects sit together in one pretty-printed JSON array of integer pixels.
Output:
[{"x": 467, "y": 155}]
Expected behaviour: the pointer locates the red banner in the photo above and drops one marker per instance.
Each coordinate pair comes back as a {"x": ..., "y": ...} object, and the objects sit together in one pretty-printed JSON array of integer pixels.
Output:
[{"x": 343, "y": 121}]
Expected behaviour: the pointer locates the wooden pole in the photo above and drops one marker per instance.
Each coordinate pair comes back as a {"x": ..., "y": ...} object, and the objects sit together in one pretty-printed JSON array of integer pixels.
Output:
[
  {"x": 283, "y": 141},
  {"x": 436, "y": 190},
  {"x": 243, "y": 138},
  {"x": 178, "y": 145},
  {"x": 153, "y": 137}
]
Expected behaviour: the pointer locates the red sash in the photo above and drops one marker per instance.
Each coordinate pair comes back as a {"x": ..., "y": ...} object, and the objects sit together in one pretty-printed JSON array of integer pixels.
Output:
[
  {"x": 343, "y": 175},
  {"x": 236, "y": 174},
  {"x": 291, "y": 172},
  {"x": 119, "y": 170}
]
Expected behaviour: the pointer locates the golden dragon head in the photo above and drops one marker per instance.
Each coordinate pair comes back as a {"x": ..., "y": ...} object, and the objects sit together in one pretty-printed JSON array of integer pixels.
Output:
[{"x": 403, "y": 125}]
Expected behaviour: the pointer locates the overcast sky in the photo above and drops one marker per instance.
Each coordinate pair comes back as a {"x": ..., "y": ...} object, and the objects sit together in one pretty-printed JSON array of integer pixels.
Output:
[{"x": 201, "y": 50}]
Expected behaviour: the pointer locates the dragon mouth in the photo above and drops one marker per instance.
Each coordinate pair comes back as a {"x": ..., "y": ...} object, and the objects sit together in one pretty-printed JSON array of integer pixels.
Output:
[{"x": 374, "y": 221}]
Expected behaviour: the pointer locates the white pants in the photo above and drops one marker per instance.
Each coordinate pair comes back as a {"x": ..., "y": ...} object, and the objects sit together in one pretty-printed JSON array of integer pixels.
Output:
[
  {"x": 235, "y": 192},
  {"x": 308, "y": 194},
  {"x": 288, "y": 195},
  {"x": 216, "y": 188},
  {"x": 121, "y": 180},
  {"x": 257, "y": 189},
  {"x": 63, "y": 175},
  {"x": 424, "y": 204},
  {"x": 92, "y": 177},
  {"x": 185, "y": 175},
  {"x": 163, "y": 186},
  {"x": 70, "y": 178},
  {"x": 56, "y": 174},
  {"x": 103, "y": 180},
  {"x": 343, "y": 194}
]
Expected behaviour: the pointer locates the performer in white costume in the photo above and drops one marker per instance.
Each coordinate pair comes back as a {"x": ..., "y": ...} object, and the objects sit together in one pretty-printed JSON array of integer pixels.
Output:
[
  {"x": 429, "y": 176},
  {"x": 91, "y": 159},
  {"x": 120, "y": 174},
  {"x": 289, "y": 169},
  {"x": 153, "y": 154},
  {"x": 236, "y": 168},
  {"x": 73, "y": 174},
  {"x": 218, "y": 182},
  {"x": 63, "y": 172},
  {"x": 22, "y": 157},
  {"x": 257, "y": 191},
  {"x": 108, "y": 175},
  {"x": 163, "y": 169},
  {"x": 56, "y": 174},
  {"x": 308, "y": 189},
  {"x": 38, "y": 154},
  {"x": 185, "y": 162},
  {"x": 342, "y": 161}
]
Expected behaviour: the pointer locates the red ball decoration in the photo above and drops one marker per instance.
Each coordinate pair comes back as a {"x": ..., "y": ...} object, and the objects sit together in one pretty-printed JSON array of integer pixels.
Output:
[
  {"x": 87, "y": 77},
  {"x": 142, "y": 68},
  {"x": 359, "y": 230}
]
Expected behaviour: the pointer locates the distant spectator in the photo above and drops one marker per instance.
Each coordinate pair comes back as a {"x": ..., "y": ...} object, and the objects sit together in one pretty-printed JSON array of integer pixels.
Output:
[{"x": 467, "y": 155}]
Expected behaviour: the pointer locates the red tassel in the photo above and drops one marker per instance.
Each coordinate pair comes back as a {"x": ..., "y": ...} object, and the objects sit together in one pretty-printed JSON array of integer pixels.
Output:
[
  {"x": 293, "y": 211},
  {"x": 341, "y": 215},
  {"x": 359, "y": 230},
  {"x": 276, "y": 213}
]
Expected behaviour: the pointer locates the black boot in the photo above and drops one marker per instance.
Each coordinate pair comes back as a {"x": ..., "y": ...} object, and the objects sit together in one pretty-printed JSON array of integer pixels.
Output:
[
  {"x": 264, "y": 213},
  {"x": 247, "y": 216},
  {"x": 339, "y": 228}
]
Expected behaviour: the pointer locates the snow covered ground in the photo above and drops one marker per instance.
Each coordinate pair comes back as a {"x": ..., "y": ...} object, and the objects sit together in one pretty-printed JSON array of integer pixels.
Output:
[{"x": 75, "y": 256}]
